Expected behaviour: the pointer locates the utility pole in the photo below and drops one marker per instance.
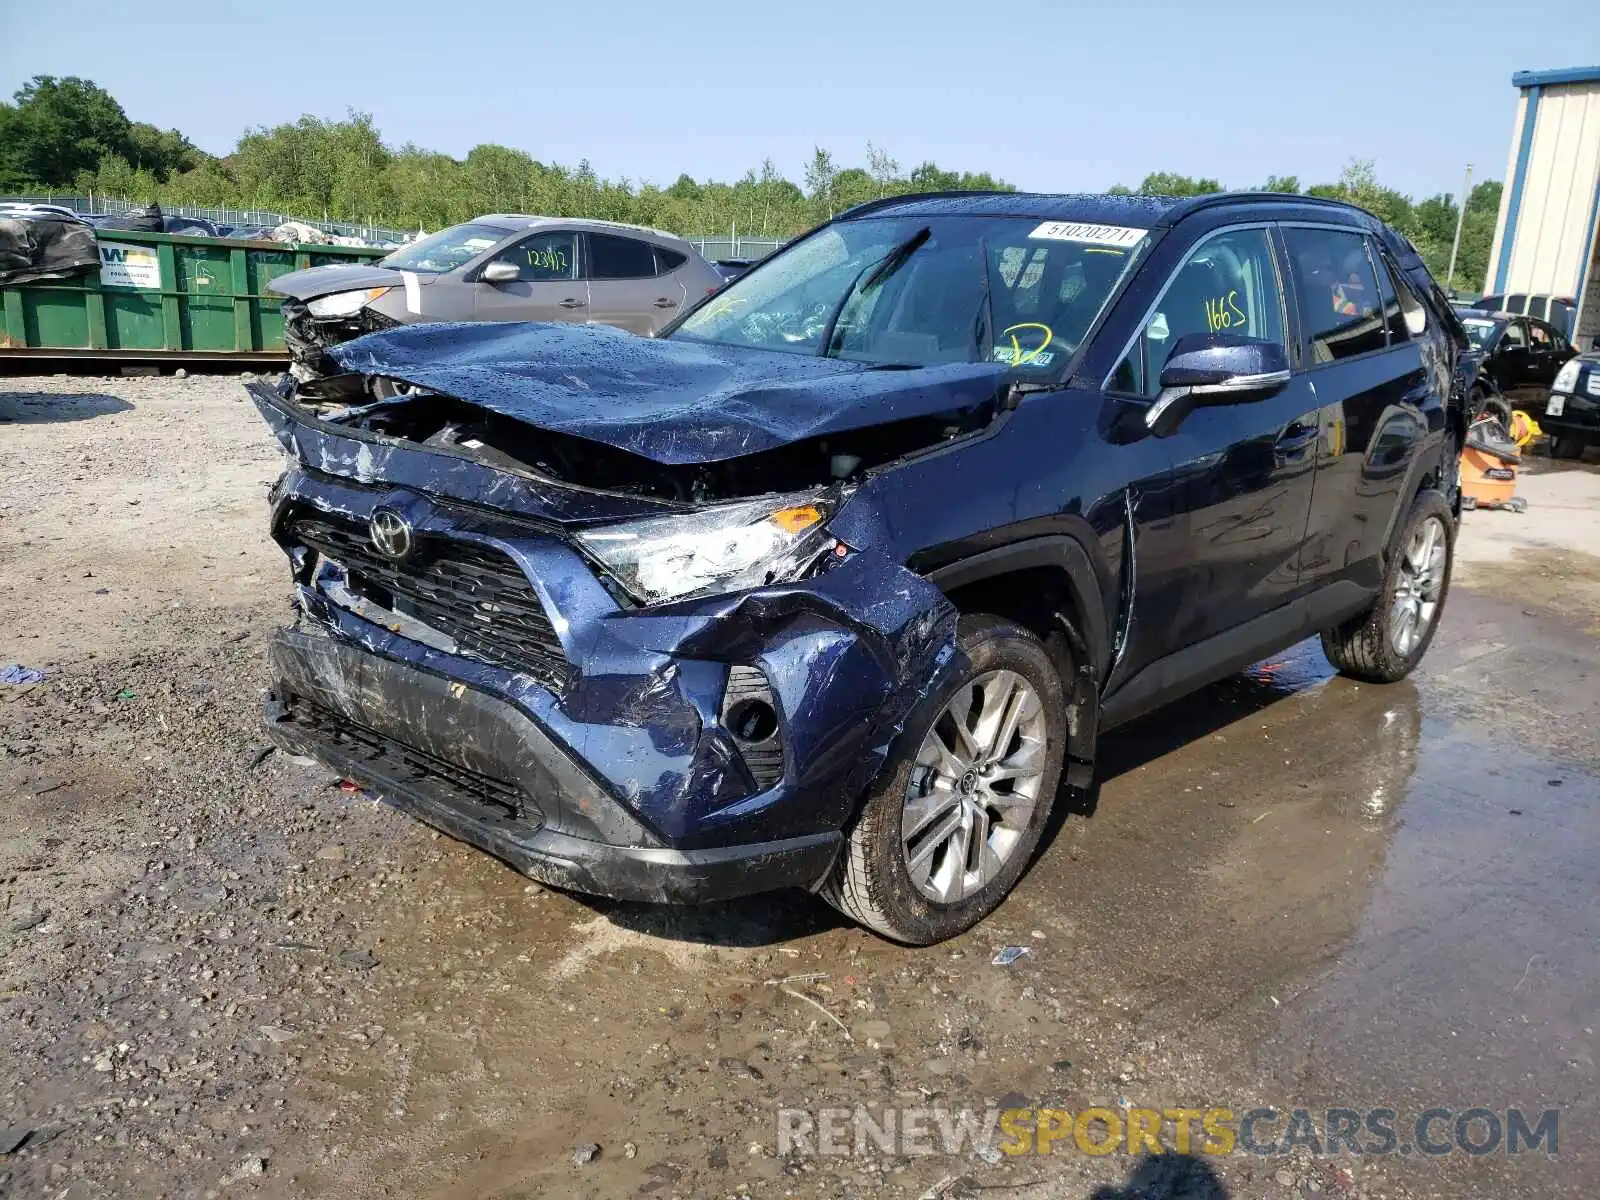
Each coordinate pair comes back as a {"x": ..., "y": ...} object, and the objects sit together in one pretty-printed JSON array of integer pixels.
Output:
[{"x": 1461, "y": 216}]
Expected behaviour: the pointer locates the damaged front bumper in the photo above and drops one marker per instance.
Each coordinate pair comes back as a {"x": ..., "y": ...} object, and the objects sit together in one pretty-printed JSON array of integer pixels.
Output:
[
  {"x": 492, "y": 685},
  {"x": 409, "y": 735},
  {"x": 307, "y": 339}
]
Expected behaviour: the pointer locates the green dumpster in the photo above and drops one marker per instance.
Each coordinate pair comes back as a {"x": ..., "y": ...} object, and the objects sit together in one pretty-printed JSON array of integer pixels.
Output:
[{"x": 165, "y": 298}]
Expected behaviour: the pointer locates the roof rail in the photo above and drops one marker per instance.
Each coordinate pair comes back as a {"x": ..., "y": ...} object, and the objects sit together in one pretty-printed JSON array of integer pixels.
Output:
[
  {"x": 1194, "y": 204},
  {"x": 890, "y": 201}
]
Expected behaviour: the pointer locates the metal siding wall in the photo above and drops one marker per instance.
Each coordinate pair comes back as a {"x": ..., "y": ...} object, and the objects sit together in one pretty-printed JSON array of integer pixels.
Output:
[
  {"x": 1505, "y": 192},
  {"x": 1586, "y": 322},
  {"x": 1549, "y": 243}
]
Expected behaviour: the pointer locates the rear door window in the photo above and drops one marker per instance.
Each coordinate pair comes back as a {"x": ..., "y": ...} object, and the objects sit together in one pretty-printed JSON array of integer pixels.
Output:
[
  {"x": 1229, "y": 284},
  {"x": 1339, "y": 298},
  {"x": 612, "y": 257}
]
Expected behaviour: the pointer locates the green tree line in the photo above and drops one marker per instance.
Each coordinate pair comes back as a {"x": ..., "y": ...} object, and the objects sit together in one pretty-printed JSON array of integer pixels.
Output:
[{"x": 70, "y": 133}]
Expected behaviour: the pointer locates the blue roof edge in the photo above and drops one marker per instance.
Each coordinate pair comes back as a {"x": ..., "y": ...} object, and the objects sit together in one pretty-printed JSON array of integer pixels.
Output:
[{"x": 1524, "y": 79}]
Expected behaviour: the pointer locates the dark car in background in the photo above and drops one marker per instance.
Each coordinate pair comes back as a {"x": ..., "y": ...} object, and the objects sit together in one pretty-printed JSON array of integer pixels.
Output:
[
  {"x": 732, "y": 268},
  {"x": 835, "y": 583},
  {"x": 1557, "y": 311},
  {"x": 1571, "y": 417},
  {"x": 500, "y": 267},
  {"x": 1520, "y": 356}
]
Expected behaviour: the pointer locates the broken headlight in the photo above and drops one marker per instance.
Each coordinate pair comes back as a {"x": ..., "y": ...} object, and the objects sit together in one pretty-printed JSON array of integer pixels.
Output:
[
  {"x": 720, "y": 549},
  {"x": 344, "y": 304}
]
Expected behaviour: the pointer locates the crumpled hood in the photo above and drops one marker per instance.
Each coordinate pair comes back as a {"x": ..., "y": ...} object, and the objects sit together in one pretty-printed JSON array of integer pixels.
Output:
[
  {"x": 670, "y": 401},
  {"x": 335, "y": 277}
]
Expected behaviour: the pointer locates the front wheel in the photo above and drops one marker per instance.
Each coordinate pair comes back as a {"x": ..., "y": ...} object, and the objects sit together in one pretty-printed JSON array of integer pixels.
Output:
[
  {"x": 1384, "y": 644},
  {"x": 949, "y": 828}
]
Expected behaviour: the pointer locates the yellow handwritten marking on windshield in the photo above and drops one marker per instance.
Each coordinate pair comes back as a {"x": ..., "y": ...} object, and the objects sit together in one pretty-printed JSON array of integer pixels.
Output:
[
  {"x": 724, "y": 306},
  {"x": 1020, "y": 356},
  {"x": 1223, "y": 312},
  {"x": 548, "y": 259}
]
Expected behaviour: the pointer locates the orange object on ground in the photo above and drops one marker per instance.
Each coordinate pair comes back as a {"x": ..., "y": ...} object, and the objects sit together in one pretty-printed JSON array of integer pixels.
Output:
[{"x": 1489, "y": 468}]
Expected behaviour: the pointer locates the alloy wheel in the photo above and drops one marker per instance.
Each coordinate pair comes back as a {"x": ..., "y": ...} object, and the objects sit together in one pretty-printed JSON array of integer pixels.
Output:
[
  {"x": 1422, "y": 577},
  {"x": 974, "y": 786}
]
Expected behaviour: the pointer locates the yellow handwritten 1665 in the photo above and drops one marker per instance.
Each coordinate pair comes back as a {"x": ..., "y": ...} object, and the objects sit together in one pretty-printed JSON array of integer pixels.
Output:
[{"x": 1223, "y": 312}]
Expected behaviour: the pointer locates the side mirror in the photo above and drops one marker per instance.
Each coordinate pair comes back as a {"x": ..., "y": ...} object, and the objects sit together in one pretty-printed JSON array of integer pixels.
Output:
[
  {"x": 500, "y": 271},
  {"x": 1215, "y": 368}
]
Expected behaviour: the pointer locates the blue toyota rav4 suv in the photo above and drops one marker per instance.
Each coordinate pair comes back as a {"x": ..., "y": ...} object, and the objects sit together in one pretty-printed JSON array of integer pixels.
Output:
[{"x": 834, "y": 584}]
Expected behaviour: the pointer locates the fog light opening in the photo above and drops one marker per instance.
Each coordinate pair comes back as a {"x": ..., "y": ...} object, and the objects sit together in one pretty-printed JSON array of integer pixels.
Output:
[{"x": 752, "y": 720}]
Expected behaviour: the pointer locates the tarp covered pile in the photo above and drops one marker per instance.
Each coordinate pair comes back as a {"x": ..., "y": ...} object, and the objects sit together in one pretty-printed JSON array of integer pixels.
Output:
[{"x": 45, "y": 247}]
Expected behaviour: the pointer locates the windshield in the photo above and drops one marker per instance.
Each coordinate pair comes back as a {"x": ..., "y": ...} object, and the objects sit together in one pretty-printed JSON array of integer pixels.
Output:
[
  {"x": 910, "y": 291},
  {"x": 445, "y": 250},
  {"x": 1480, "y": 331}
]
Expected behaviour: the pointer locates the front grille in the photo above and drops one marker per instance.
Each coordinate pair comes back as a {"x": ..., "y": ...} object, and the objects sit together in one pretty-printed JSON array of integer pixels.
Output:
[
  {"x": 386, "y": 760},
  {"x": 474, "y": 595}
]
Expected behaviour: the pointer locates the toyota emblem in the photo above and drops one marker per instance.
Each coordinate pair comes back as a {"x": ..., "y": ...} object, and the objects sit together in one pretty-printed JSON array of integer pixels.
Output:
[{"x": 390, "y": 533}]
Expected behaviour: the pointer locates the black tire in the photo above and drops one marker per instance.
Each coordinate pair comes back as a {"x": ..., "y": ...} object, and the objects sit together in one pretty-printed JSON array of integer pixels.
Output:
[
  {"x": 1499, "y": 408},
  {"x": 1364, "y": 646},
  {"x": 872, "y": 883},
  {"x": 1567, "y": 445}
]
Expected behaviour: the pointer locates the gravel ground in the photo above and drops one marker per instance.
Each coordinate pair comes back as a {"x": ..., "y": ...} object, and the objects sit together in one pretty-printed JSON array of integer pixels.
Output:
[{"x": 224, "y": 974}]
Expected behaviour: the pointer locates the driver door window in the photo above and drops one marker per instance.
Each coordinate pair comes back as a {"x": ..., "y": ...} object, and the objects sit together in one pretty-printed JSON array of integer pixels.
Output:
[
  {"x": 543, "y": 257},
  {"x": 1228, "y": 285}
]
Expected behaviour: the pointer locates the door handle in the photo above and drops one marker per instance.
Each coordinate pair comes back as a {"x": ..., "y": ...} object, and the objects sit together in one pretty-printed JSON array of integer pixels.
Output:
[
  {"x": 571, "y": 302},
  {"x": 1296, "y": 437},
  {"x": 665, "y": 303}
]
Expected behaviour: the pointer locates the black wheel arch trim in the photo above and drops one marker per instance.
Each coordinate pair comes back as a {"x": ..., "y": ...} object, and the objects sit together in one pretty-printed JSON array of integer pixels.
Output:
[{"x": 1058, "y": 550}]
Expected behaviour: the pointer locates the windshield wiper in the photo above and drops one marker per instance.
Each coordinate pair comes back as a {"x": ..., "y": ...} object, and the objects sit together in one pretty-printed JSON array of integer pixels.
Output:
[{"x": 870, "y": 275}]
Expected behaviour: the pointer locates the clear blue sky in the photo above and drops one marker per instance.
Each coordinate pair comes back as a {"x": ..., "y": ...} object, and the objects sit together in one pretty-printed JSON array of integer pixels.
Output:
[{"x": 1063, "y": 97}]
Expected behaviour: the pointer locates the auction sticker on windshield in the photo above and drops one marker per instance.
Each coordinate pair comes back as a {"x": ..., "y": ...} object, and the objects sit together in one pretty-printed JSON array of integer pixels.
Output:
[{"x": 1094, "y": 235}]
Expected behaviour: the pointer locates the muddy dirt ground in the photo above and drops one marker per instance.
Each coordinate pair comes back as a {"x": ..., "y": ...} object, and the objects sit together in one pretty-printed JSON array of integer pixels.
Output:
[{"x": 224, "y": 975}]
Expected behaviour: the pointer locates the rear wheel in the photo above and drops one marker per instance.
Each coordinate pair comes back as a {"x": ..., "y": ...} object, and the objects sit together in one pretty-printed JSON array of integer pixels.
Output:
[
  {"x": 1567, "y": 445},
  {"x": 949, "y": 829},
  {"x": 1384, "y": 643}
]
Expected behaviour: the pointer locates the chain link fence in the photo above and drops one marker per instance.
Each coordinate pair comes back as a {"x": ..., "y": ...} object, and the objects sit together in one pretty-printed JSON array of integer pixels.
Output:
[
  {"x": 732, "y": 246},
  {"x": 238, "y": 218},
  {"x": 735, "y": 247}
]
